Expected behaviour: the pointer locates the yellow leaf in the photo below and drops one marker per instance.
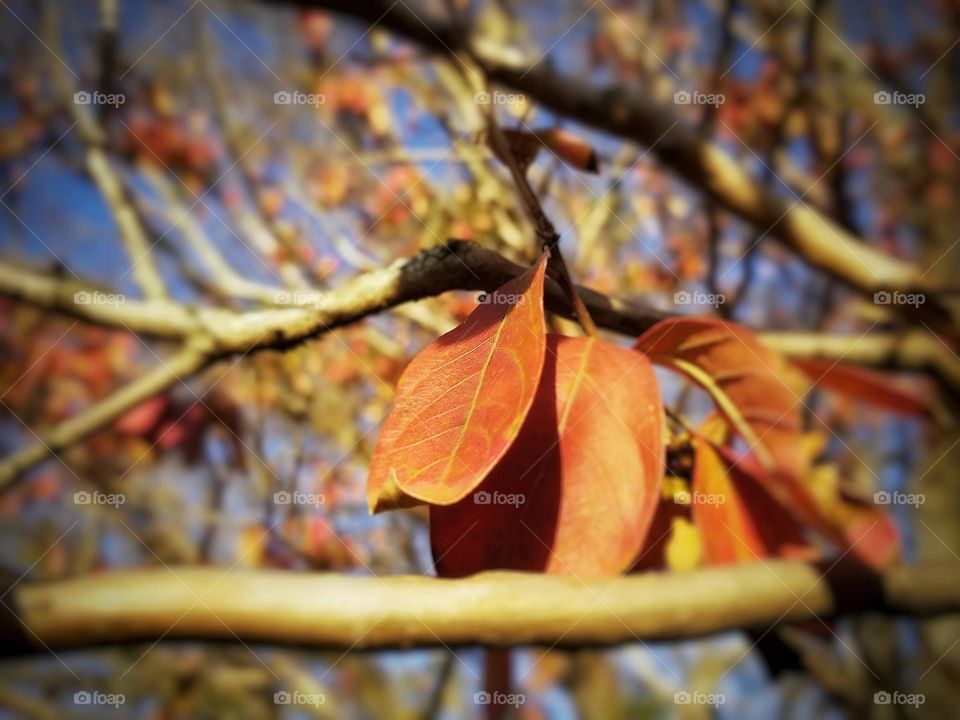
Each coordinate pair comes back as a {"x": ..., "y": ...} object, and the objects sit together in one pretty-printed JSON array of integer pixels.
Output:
[{"x": 684, "y": 548}]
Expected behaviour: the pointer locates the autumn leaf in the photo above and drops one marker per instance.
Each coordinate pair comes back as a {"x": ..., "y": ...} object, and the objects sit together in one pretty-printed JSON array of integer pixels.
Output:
[
  {"x": 868, "y": 531},
  {"x": 572, "y": 149},
  {"x": 817, "y": 500},
  {"x": 142, "y": 418},
  {"x": 683, "y": 550},
  {"x": 462, "y": 401},
  {"x": 738, "y": 519},
  {"x": 575, "y": 494},
  {"x": 660, "y": 537},
  {"x": 863, "y": 384},
  {"x": 754, "y": 388}
]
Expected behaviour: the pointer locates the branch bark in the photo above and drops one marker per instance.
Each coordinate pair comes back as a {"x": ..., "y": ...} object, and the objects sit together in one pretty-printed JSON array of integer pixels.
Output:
[
  {"x": 209, "y": 334},
  {"x": 498, "y": 609}
]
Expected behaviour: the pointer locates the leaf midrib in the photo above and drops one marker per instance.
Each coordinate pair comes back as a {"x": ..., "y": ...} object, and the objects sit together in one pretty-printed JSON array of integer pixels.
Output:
[{"x": 494, "y": 344}]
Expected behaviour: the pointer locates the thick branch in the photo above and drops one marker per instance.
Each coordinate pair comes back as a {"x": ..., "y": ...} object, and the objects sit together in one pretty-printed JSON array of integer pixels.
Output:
[
  {"x": 459, "y": 265},
  {"x": 155, "y": 318},
  {"x": 211, "y": 333},
  {"x": 491, "y": 608}
]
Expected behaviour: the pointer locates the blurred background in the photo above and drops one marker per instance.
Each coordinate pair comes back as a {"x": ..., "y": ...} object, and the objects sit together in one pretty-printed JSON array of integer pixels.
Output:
[{"x": 249, "y": 155}]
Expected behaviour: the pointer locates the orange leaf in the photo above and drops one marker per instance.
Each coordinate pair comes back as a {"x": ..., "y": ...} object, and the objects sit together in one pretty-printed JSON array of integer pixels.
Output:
[
  {"x": 863, "y": 384},
  {"x": 866, "y": 529},
  {"x": 461, "y": 402},
  {"x": 142, "y": 418},
  {"x": 738, "y": 519},
  {"x": 575, "y": 494},
  {"x": 572, "y": 149},
  {"x": 752, "y": 386}
]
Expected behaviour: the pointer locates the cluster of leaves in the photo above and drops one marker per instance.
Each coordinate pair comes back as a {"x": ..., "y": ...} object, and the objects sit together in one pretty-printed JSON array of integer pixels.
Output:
[{"x": 541, "y": 452}]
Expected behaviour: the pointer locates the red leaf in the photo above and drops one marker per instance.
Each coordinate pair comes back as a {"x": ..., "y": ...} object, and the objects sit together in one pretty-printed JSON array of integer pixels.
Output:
[
  {"x": 142, "y": 418},
  {"x": 572, "y": 149},
  {"x": 587, "y": 465},
  {"x": 738, "y": 519},
  {"x": 867, "y": 530},
  {"x": 862, "y": 384},
  {"x": 751, "y": 385},
  {"x": 461, "y": 402}
]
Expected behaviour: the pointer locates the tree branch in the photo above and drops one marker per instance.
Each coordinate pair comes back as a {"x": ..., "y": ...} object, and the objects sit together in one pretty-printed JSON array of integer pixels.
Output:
[
  {"x": 629, "y": 113},
  {"x": 499, "y": 609},
  {"x": 209, "y": 334}
]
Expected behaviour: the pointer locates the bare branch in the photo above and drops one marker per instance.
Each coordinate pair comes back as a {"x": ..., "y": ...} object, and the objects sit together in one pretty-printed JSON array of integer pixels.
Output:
[
  {"x": 629, "y": 113},
  {"x": 182, "y": 365},
  {"x": 497, "y": 608}
]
